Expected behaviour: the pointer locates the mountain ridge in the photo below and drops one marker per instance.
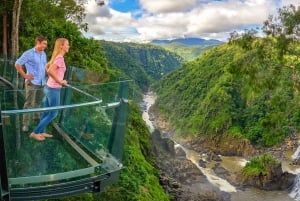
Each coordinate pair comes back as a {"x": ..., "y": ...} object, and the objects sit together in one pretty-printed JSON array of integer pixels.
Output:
[{"x": 187, "y": 41}]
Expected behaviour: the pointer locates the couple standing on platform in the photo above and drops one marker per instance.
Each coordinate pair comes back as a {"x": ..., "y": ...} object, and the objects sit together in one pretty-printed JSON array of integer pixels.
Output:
[{"x": 35, "y": 62}]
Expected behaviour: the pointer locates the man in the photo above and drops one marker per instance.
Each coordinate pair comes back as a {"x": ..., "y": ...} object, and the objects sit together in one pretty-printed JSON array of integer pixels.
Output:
[{"x": 34, "y": 60}]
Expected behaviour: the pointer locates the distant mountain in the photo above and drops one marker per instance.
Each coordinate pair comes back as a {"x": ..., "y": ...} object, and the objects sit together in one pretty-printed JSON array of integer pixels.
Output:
[{"x": 188, "y": 41}]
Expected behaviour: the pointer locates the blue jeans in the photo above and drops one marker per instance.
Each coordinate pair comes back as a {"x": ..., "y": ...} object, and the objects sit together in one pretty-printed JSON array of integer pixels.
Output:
[{"x": 52, "y": 99}]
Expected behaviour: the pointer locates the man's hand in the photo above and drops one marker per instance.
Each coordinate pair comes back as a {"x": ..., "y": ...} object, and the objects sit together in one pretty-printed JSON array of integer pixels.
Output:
[{"x": 28, "y": 77}]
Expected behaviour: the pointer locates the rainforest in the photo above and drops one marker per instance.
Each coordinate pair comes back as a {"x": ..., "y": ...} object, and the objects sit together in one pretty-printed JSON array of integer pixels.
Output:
[{"x": 245, "y": 89}]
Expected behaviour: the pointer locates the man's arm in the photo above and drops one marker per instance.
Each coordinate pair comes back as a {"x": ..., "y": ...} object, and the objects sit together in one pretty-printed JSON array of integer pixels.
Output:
[{"x": 22, "y": 72}]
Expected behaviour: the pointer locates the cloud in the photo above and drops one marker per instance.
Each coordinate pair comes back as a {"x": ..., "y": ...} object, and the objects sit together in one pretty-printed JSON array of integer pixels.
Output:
[
  {"x": 164, "y": 19},
  {"x": 289, "y": 2},
  {"x": 165, "y": 6}
]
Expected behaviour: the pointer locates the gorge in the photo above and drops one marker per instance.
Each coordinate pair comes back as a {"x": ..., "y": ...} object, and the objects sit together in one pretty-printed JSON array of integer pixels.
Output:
[{"x": 189, "y": 173}]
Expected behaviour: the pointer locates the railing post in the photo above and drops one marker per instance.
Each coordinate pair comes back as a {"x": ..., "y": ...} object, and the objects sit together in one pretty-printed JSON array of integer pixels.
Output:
[
  {"x": 4, "y": 187},
  {"x": 117, "y": 136}
]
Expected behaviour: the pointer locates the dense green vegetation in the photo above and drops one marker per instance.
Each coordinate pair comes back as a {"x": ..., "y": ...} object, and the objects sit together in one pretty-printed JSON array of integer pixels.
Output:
[
  {"x": 259, "y": 165},
  {"x": 143, "y": 63},
  {"x": 188, "y": 53},
  {"x": 249, "y": 87},
  {"x": 53, "y": 21}
]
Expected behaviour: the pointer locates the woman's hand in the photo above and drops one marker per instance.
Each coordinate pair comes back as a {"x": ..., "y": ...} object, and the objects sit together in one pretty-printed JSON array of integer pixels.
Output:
[{"x": 64, "y": 82}]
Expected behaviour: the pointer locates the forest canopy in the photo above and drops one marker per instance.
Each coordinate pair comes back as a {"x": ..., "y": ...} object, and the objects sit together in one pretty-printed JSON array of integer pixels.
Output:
[{"x": 248, "y": 87}]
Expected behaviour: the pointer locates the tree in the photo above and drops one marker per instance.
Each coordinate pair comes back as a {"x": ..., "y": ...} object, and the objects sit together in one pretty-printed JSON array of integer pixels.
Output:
[
  {"x": 4, "y": 14},
  {"x": 11, "y": 15},
  {"x": 15, "y": 27},
  {"x": 285, "y": 28}
]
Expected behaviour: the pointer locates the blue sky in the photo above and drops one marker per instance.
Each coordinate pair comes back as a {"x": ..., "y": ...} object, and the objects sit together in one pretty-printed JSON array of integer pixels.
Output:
[
  {"x": 125, "y": 5},
  {"x": 145, "y": 20}
]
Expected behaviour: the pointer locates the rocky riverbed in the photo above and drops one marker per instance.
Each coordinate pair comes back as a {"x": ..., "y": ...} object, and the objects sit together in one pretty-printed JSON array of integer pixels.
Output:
[
  {"x": 180, "y": 177},
  {"x": 185, "y": 181}
]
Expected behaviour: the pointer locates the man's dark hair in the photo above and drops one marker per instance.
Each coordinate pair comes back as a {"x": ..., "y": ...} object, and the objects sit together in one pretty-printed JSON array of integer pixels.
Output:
[{"x": 40, "y": 39}]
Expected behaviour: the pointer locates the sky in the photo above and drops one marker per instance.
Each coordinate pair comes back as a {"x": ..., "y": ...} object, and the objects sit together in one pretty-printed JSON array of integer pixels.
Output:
[{"x": 141, "y": 21}]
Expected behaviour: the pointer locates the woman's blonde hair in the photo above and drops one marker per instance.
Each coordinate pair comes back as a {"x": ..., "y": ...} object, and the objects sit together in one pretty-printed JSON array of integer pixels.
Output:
[{"x": 57, "y": 47}]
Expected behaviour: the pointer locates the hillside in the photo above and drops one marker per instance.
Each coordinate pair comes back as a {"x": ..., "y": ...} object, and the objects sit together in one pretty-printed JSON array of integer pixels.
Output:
[
  {"x": 233, "y": 90},
  {"x": 188, "y": 53},
  {"x": 143, "y": 63}
]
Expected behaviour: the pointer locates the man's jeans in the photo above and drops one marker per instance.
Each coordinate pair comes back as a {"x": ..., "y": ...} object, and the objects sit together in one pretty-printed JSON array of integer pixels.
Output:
[
  {"x": 52, "y": 99},
  {"x": 33, "y": 98}
]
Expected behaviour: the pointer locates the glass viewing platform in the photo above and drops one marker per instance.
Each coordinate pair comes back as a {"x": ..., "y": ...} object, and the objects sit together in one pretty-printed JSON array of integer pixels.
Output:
[{"x": 85, "y": 154}]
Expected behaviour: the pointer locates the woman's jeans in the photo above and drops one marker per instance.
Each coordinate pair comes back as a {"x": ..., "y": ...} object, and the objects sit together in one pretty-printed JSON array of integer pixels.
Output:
[{"x": 52, "y": 99}]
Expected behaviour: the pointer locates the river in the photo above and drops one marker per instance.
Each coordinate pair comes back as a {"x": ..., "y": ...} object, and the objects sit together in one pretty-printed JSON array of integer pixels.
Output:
[{"x": 229, "y": 163}]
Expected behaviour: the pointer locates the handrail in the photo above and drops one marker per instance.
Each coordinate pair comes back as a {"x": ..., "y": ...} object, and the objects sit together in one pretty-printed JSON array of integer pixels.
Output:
[
  {"x": 6, "y": 82},
  {"x": 50, "y": 108},
  {"x": 107, "y": 106}
]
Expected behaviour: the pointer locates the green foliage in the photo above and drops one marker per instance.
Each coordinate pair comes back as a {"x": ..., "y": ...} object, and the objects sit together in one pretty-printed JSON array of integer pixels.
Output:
[
  {"x": 188, "y": 53},
  {"x": 139, "y": 181},
  {"x": 51, "y": 22},
  {"x": 259, "y": 165},
  {"x": 141, "y": 62},
  {"x": 248, "y": 87},
  {"x": 232, "y": 87}
]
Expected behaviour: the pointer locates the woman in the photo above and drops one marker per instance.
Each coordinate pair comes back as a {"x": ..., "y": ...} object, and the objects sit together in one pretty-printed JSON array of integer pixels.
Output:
[{"x": 56, "y": 69}]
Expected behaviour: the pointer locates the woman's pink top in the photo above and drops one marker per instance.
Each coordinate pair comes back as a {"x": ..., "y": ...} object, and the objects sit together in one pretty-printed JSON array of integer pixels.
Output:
[{"x": 60, "y": 72}]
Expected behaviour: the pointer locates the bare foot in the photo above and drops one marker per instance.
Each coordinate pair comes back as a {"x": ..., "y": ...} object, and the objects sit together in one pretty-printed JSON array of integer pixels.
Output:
[
  {"x": 37, "y": 137},
  {"x": 46, "y": 135}
]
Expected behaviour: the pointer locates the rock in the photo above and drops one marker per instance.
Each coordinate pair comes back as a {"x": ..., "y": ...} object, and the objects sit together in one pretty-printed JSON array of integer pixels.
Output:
[
  {"x": 180, "y": 152},
  {"x": 202, "y": 163},
  {"x": 273, "y": 179},
  {"x": 180, "y": 177}
]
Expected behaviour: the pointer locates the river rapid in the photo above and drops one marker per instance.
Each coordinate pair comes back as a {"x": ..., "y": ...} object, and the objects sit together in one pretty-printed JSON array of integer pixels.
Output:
[{"x": 231, "y": 164}]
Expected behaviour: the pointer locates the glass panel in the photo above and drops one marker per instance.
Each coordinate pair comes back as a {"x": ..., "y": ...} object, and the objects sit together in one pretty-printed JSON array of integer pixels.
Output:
[
  {"x": 91, "y": 126},
  {"x": 9, "y": 72},
  {"x": 27, "y": 157},
  {"x": 82, "y": 139}
]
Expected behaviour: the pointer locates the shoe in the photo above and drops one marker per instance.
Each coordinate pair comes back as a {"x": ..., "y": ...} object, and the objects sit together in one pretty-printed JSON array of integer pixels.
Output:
[
  {"x": 37, "y": 137},
  {"x": 46, "y": 135},
  {"x": 25, "y": 128}
]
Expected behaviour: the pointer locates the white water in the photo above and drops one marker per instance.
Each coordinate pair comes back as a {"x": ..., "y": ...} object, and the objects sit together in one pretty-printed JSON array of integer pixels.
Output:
[
  {"x": 249, "y": 194},
  {"x": 211, "y": 177},
  {"x": 149, "y": 100},
  {"x": 295, "y": 193},
  {"x": 296, "y": 154}
]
